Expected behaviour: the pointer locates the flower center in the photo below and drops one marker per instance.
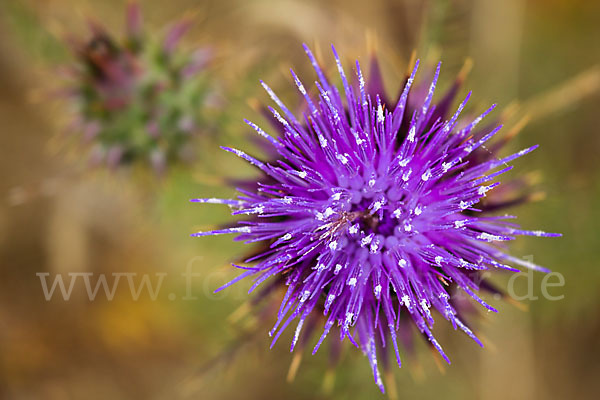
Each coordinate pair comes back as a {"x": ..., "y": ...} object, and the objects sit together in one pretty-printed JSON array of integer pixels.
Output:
[{"x": 375, "y": 218}]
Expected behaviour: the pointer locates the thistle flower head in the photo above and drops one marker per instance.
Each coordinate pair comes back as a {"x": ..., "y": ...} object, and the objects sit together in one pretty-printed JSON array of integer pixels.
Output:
[
  {"x": 373, "y": 213},
  {"x": 139, "y": 98}
]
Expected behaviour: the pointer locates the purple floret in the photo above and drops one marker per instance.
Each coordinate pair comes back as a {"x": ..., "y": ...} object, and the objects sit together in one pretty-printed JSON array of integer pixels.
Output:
[{"x": 370, "y": 214}]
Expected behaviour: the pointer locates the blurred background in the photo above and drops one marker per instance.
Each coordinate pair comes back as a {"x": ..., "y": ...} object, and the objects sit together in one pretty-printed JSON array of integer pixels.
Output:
[{"x": 59, "y": 217}]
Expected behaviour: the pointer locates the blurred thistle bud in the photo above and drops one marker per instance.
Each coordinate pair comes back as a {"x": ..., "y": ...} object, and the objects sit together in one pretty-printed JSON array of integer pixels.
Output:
[{"x": 140, "y": 98}]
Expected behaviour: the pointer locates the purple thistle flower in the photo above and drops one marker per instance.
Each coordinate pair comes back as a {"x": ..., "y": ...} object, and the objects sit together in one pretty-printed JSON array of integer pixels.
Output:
[{"x": 373, "y": 214}]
